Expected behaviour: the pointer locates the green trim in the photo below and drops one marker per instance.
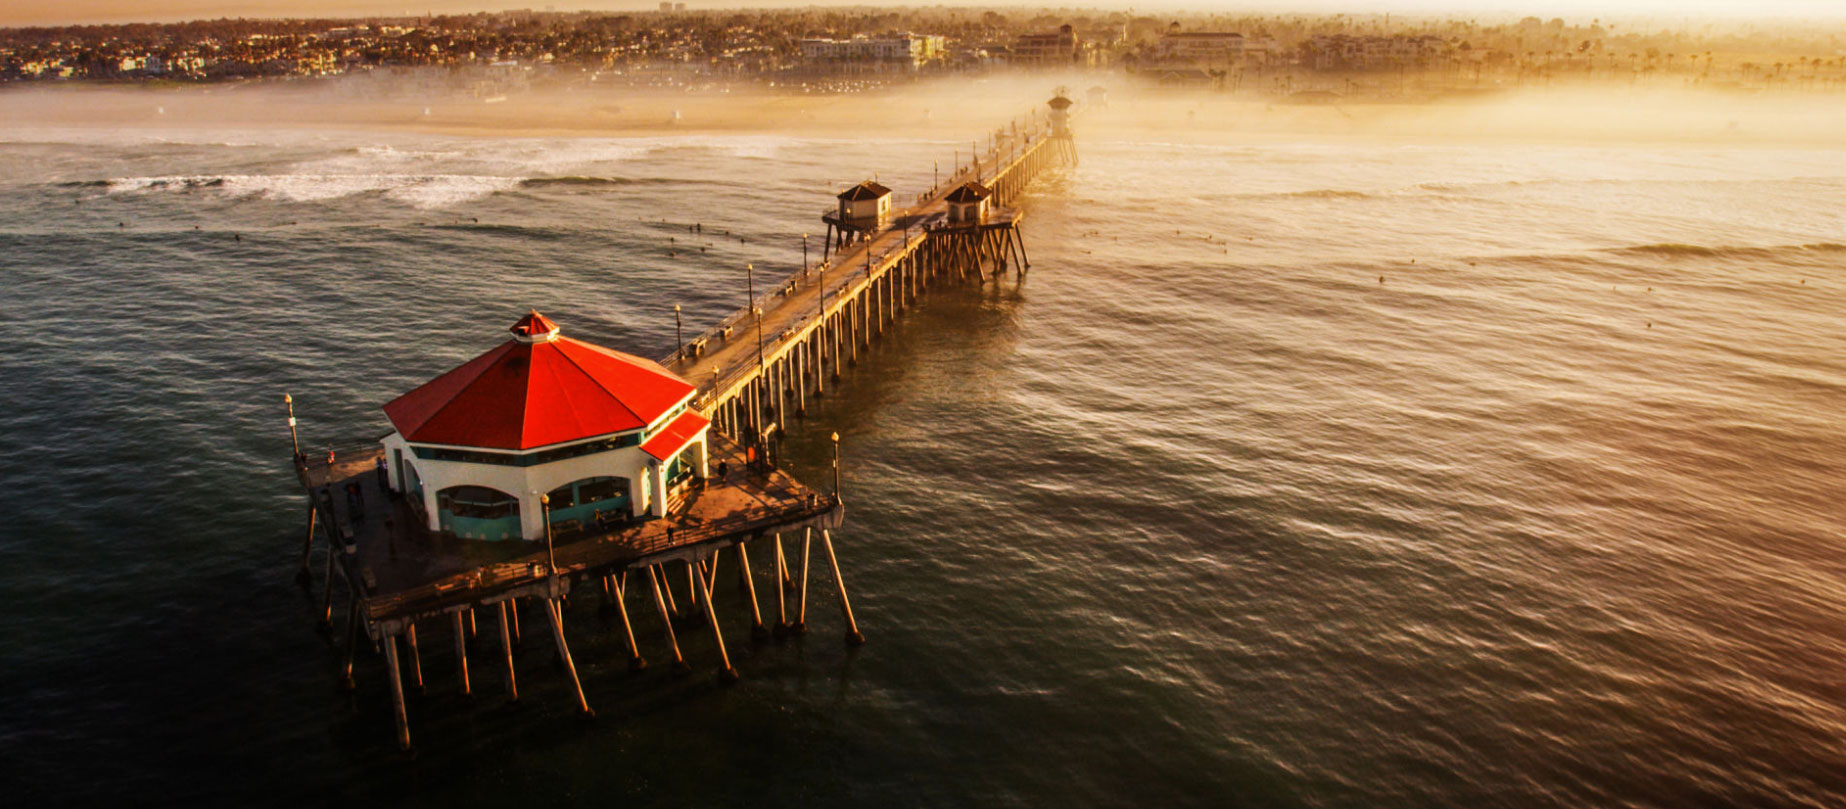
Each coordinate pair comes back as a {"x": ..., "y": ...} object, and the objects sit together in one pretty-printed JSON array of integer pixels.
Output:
[{"x": 483, "y": 456}]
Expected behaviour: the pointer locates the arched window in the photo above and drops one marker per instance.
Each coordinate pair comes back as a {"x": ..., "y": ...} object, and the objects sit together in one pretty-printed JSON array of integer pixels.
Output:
[
  {"x": 478, "y": 512},
  {"x": 594, "y": 500}
]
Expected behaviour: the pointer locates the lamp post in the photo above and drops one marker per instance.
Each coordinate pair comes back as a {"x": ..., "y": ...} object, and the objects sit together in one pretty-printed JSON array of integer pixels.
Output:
[
  {"x": 551, "y": 560},
  {"x": 678, "y": 338},
  {"x": 804, "y": 255},
  {"x": 750, "y": 279},
  {"x": 293, "y": 439},
  {"x": 836, "y": 467}
]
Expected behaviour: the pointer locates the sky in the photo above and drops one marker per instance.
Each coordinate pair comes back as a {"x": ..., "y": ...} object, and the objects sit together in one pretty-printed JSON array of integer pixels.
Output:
[{"x": 63, "y": 12}]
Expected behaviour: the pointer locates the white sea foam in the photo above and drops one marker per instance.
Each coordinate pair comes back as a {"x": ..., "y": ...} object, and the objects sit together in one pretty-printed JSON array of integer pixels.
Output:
[{"x": 419, "y": 190}]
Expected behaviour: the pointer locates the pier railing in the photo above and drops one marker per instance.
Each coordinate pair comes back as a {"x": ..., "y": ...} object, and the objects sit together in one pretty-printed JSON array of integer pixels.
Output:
[{"x": 843, "y": 274}]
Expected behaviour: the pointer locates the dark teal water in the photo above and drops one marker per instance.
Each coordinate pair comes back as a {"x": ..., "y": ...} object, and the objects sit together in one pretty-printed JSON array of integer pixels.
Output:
[{"x": 1349, "y": 474}]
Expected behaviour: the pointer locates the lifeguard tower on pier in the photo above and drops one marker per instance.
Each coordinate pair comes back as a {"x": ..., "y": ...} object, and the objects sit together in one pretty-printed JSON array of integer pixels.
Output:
[
  {"x": 863, "y": 208},
  {"x": 606, "y": 435},
  {"x": 1059, "y": 119}
]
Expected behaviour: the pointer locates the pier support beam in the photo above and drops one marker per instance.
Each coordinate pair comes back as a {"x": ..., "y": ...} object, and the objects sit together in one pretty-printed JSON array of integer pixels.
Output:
[
  {"x": 352, "y": 643},
  {"x": 461, "y": 653},
  {"x": 727, "y": 675},
  {"x": 666, "y": 620},
  {"x": 306, "y": 574},
  {"x": 635, "y": 661},
  {"x": 333, "y": 551},
  {"x": 853, "y": 638},
  {"x": 554, "y": 612},
  {"x": 506, "y": 645},
  {"x": 800, "y": 626},
  {"x": 397, "y": 692},
  {"x": 781, "y": 629},
  {"x": 416, "y": 659},
  {"x": 757, "y": 629}
]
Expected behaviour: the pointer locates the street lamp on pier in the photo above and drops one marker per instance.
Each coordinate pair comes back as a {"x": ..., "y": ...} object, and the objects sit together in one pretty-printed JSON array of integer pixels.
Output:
[
  {"x": 551, "y": 561},
  {"x": 678, "y": 338}
]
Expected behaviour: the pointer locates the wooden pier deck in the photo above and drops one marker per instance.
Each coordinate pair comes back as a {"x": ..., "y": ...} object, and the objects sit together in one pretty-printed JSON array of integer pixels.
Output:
[
  {"x": 399, "y": 570},
  {"x": 812, "y": 323},
  {"x": 750, "y": 372}
]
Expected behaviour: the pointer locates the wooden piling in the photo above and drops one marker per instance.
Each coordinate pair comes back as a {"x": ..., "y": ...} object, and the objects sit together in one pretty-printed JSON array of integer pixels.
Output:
[
  {"x": 666, "y": 620},
  {"x": 757, "y": 629},
  {"x": 553, "y": 611},
  {"x": 635, "y": 661},
  {"x": 306, "y": 574},
  {"x": 801, "y": 604},
  {"x": 506, "y": 645},
  {"x": 727, "y": 674},
  {"x": 397, "y": 693},
  {"x": 352, "y": 643},
  {"x": 416, "y": 659},
  {"x": 333, "y": 551},
  {"x": 853, "y": 638},
  {"x": 461, "y": 654},
  {"x": 781, "y": 628}
]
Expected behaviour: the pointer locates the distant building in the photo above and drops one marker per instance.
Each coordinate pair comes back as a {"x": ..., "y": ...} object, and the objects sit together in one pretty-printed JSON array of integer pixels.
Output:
[
  {"x": 1341, "y": 52},
  {"x": 1201, "y": 48},
  {"x": 906, "y": 50},
  {"x": 1053, "y": 49}
]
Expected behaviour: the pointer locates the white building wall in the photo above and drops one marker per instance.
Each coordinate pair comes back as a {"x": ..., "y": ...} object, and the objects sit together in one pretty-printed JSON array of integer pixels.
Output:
[
  {"x": 646, "y": 477},
  {"x": 867, "y": 208}
]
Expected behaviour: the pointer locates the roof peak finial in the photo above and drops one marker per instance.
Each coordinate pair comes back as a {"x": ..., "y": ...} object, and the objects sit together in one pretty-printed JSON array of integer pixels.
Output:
[{"x": 534, "y": 328}]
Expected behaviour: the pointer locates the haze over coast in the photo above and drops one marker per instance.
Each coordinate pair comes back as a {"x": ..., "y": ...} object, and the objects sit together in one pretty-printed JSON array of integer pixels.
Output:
[{"x": 940, "y": 109}]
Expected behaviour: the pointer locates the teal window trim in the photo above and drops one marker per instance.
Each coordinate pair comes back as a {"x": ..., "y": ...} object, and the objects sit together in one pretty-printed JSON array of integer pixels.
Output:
[{"x": 482, "y": 456}]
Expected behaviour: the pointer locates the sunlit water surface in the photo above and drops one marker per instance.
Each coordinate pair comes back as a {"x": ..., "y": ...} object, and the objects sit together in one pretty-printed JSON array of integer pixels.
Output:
[{"x": 1344, "y": 474}]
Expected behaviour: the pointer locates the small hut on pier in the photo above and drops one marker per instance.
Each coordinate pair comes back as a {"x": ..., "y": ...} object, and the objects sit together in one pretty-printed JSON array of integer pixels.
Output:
[
  {"x": 968, "y": 203},
  {"x": 607, "y": 435},
  {"x": 865, "y": 203}
]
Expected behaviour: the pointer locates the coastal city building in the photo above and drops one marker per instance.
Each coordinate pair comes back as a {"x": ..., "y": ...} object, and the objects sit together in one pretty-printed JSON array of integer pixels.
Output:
[
  {"x": 1051, "y": 49},
  {"x": 906, "y": 51},
  {"x": 1201, "y": 48}
]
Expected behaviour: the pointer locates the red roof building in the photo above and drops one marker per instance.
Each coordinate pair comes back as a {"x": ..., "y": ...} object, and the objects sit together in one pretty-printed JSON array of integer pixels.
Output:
[
  {"x": 537, "y": 389},
  {"x": 606, "y": 435}
]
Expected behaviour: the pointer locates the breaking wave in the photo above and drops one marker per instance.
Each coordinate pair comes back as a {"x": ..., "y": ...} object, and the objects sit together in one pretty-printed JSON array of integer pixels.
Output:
[{"x": 419, "y": 190}]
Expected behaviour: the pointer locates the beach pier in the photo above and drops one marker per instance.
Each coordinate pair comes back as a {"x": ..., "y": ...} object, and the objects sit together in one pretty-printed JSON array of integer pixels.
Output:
[
  {"x": 782, "y": 346},
  {"x": 547, "y": 464}
]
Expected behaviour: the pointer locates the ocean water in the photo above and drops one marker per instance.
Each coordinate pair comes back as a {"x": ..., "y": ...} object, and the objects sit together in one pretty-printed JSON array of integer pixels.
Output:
[{"x": 1321, "y": 474}]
